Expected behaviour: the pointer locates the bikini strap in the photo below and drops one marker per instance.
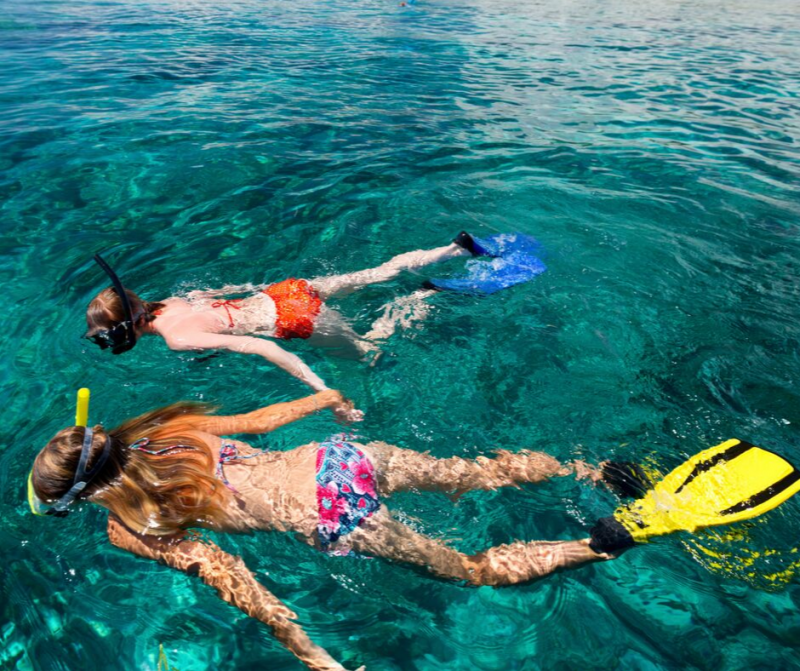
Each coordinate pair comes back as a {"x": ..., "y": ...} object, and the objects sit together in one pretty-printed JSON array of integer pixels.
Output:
[
  {"x": 228, "y": 304},
  {"x": 141, "y": 446},
  {"x": 227, "y": 453}
]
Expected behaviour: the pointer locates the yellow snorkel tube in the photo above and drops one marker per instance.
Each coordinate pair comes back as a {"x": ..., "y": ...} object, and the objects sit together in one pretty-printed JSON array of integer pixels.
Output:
[
  {"x": 82, "y": 407},
  {"x": 81, "y": 419}
]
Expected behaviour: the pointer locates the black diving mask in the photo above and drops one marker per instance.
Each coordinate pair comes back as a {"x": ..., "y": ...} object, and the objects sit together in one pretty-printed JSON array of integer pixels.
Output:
[{"x": 122, "y": 336}]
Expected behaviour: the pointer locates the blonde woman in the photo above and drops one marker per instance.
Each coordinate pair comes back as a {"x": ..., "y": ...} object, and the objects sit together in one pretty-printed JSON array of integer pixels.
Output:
[{"x": 170, "y": 470}]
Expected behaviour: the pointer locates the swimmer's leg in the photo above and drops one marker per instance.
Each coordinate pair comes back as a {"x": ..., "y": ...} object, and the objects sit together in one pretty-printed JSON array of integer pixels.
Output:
[
  {"x": 399, "y": 469},
  {"x": 383, "y": 536},
  {"x": 333, "y": 333},
  {"x": 403, "y": 311},
  {"x": 339, "y": 285}
]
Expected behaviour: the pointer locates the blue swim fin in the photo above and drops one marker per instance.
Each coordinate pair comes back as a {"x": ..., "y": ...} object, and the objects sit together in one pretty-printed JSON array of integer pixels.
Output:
[{"x": 502, "y": 261}]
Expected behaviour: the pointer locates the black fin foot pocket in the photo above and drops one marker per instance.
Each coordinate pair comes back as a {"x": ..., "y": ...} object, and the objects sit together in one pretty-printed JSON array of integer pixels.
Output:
[
  {"x": 469, "y": 243},
  {"x": 430, "y": 286},
  {"x": 609, "y": 536},
  {"x": 626, "y": 478}
]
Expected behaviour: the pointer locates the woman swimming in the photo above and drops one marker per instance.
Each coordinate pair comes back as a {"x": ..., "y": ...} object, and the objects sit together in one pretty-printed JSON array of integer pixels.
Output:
[
  {"x": 170, "y": 470},
  {"x": 293, "y": 308}
]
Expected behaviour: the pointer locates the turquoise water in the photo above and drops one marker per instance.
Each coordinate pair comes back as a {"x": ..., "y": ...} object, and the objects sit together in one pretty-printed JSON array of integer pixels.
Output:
[{"x": 651, "y": 147}]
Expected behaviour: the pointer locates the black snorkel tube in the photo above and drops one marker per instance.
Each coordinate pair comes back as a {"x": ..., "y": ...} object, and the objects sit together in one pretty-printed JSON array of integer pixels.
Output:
[{"x": 121, "y": 337}]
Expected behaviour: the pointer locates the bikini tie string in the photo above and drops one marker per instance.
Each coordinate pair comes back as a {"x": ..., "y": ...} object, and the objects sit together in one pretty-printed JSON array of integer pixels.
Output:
[
  {"x": 228, "y": 304},
  {"x": 227, "y": 453},
  {"x": 141, "y": 446}
]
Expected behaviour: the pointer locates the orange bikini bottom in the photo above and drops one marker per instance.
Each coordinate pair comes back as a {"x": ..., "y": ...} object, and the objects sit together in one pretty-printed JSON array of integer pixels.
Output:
[{"x": 297, "y": 304}]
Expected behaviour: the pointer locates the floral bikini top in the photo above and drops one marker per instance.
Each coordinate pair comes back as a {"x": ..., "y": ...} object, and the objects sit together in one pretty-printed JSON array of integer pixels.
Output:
[{"x": 227, "y": 453}]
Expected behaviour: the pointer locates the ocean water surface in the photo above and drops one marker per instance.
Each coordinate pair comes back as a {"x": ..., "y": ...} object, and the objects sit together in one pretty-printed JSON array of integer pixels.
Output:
[{"x": 652, "y": 149}]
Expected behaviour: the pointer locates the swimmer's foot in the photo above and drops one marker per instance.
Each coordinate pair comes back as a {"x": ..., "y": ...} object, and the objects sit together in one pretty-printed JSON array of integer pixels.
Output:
[
  {"x": 626, "y": 478},
  {"x": 367, "y": 346},
  {"x": 585, "y": 471},
  {"x": 598, "y": 554},
  {"x": 609, "y": 538},
  {"x": 466, "y": 241},
  {"x": 375, "y": 358},
  {"x": 403, "y": 312}
]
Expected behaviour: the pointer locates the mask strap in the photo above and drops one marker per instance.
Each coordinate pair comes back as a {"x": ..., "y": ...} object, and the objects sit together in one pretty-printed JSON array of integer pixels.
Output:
[{"x": 82, "y": 477}]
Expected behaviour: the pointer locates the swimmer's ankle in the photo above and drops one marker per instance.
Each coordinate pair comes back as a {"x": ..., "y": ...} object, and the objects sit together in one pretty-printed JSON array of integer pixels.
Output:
[{"x": 466, "y": 241}]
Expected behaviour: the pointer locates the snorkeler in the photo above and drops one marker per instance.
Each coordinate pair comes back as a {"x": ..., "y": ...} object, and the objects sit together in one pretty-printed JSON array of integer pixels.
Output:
[
  {"x": 170, "y": 470},
  {"x": 294, "y": 308}
]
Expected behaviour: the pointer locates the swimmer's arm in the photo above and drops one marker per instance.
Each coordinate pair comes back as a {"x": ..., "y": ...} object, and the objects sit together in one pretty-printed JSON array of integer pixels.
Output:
[
  {"x": 234, "y": 583},
  {"x": 273, "y": 353},
  {"x": 272, "y": 417}
]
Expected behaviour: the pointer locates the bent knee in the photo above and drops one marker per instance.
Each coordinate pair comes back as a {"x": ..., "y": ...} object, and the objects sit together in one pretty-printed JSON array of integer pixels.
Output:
[{"x": 480, "y": 572}]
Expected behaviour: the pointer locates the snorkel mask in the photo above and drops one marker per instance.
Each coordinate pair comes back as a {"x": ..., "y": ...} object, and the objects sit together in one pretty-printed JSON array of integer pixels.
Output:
[
  {"x": 122, "y": 336},
  {"x": 82, "y": 477}
]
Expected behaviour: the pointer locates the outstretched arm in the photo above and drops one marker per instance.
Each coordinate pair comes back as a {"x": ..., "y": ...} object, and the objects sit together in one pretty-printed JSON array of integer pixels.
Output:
[
  {"x": 273, "y": 353},
  {"x": 270, "y": 418},
  {"x": 234, "y": 583}
]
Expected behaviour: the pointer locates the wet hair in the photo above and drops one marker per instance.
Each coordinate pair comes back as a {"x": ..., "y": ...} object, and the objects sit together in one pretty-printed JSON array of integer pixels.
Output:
[
  {"x": 106, "y": 310},
  {"x": 155, "y": 494}
]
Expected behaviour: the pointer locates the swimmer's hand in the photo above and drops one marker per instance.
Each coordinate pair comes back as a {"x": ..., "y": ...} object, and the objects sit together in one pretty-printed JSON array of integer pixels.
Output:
[
  {"x": 347, "y": 413},
  {"x": 342, "y": 407},
  {"x": 234, "y": 582}
]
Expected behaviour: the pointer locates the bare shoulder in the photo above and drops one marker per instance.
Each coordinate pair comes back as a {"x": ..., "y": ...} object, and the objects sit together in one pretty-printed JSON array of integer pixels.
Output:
[
  {"x": 181, "y": 308},
  {"x": 175, "y": 320},
  {"x": 173, "y": 307}
]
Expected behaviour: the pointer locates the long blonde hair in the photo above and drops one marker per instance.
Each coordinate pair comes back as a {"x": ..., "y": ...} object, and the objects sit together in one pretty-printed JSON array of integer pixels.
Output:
[{"x": 169, "y": 487}]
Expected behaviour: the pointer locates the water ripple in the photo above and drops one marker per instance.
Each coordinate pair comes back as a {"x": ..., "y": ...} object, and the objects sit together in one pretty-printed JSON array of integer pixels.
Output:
[{"x": 653, "y": 148}]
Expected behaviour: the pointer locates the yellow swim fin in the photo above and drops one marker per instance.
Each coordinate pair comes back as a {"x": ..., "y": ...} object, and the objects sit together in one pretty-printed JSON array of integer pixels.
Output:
[{"x": 728, "y": 483}]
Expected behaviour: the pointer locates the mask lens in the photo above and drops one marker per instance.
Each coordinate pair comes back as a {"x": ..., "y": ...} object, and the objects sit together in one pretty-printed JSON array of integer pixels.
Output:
[
  {"x": 101, "y": 338},
  {"x": 113, "y": 337}
]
